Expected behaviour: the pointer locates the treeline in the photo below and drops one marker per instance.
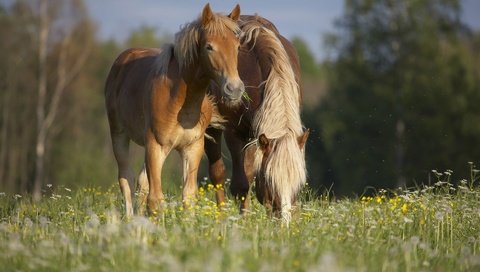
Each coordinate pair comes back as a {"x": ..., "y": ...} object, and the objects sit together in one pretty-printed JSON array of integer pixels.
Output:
[
  {"x": 403, "y": 97},
  {"x": 52, "y": 72},
  {"x": 397, "y": 97}
]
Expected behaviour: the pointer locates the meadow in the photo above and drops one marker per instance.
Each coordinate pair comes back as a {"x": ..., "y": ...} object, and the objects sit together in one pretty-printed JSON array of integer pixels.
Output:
[{"x": 430, "y": 228}]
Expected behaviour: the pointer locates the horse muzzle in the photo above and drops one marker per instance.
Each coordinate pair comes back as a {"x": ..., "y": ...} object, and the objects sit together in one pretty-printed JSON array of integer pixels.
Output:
[{"x": 233, "y": 91}]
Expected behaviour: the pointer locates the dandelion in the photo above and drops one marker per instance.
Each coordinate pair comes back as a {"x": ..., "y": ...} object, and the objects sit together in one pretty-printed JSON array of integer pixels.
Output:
[
  {"x": 439, "y": 216},
  {"x": 404, "y": 208}
]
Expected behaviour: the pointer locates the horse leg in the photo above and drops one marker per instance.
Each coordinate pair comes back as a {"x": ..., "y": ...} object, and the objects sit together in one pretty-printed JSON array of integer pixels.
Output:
[
  {"x": 216, "y": 167},
  {"x": 142, "y": 190},
  {"x": 240, "y": 183},
  {"x": 121, "y": 144},
  {"x": 191, "y": 157},
  {"x": 155, "y": 156}
]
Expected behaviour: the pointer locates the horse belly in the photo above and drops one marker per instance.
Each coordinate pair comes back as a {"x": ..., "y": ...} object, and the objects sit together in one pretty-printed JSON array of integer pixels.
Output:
[{"x": 132, "y": 116}]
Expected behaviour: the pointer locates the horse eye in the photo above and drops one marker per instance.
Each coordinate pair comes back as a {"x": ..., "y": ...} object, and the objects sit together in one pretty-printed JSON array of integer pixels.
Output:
[{"x": 209, "y": 47}]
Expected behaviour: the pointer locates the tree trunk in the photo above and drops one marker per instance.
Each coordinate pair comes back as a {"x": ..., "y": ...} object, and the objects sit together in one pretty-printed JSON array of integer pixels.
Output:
[
  {"x": 42, "y": 93},
  {"x": 400, "y": 152}
]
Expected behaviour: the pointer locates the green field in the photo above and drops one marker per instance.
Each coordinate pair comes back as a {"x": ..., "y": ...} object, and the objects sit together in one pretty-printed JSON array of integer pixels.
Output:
[{"x": 434, "y": 228}]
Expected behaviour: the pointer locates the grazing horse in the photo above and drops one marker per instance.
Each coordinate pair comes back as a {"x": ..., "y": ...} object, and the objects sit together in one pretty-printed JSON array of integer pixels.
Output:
[
  {"x": 270, "y": 115},
  {"x": 157, "y": 98}
]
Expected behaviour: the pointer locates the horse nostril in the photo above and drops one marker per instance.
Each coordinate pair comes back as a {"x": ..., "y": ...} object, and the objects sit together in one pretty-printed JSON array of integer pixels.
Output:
[
  {"x": 229, "y": 88},
  {"x": 242, "y": 87}
]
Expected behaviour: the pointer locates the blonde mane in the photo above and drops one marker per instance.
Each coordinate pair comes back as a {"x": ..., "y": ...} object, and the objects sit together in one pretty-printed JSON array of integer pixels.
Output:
[
  {"x": 278, "y": 118},
  {"x": 187, "y": 39}
]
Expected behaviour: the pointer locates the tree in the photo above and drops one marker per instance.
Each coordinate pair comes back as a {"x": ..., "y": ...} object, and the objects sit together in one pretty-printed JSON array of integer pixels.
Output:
[
  {"x": 59, "y": 34},
  {"x": 400, "y": 87},
  {"x": 47, "y": 107},
  {"x": 146, "y": 36}
]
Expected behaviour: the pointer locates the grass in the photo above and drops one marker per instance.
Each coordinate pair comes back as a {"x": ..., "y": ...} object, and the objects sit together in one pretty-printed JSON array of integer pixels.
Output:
[{"x": 435, "y": 228}]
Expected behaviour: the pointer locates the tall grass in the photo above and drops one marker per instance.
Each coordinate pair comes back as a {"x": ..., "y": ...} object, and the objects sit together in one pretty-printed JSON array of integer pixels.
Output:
[{"x": 430, "y": 228}]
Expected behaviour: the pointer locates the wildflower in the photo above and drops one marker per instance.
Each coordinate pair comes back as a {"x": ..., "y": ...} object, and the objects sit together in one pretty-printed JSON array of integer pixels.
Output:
[
  {"x": 439, "y": 216},
  {"x": 404, "y": 208}
]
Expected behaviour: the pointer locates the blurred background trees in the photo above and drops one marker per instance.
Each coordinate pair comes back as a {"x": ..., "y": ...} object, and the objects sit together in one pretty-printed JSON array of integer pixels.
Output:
[
  {"x": 396, "y": 97},
  {"x": 403, "y": 86}
]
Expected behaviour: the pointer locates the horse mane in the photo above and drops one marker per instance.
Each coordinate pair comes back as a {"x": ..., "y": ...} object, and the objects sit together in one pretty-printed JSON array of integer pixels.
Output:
[
  {"x": 188, "y": 38},
  {"x": 278, "y": 117},
  {"x": 163, "y": 59}
]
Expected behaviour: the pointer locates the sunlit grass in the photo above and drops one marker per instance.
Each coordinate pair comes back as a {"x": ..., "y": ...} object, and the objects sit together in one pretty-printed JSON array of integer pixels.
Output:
[{"x": 430, "y": 228}]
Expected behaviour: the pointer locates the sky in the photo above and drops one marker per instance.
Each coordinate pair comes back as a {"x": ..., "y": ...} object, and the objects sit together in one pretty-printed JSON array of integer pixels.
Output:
[{"x": 308, "y": 19}]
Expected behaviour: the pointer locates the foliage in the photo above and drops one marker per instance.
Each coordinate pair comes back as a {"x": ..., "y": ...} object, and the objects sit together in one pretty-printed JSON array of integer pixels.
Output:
[
  {"x": 431, "y": 228},
  {"x": 78, "y": 150},
  {"x": 308, "y": 64},
  {"x": 402, "y": 89}
]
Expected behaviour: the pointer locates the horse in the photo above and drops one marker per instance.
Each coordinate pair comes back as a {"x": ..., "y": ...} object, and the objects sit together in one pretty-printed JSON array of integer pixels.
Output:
[
  {"x": 270, "y": 115},
  {"x": 157, "y": 98}
]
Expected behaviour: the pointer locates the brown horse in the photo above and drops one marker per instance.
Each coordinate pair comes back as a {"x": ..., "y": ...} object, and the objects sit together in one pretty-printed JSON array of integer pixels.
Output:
[
  {"x": 269, "y": 67},
  {"x": 157, "y": 98}
]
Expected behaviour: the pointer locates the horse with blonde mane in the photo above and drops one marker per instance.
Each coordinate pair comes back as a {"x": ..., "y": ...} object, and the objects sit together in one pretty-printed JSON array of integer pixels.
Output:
[
  {"x": 270, "y": 115},
  {"x": 157, "y": 98}
]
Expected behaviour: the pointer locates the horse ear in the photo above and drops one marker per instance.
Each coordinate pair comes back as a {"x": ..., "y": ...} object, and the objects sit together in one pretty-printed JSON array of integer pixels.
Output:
[
  {"x": 235, "y": 14},
  {"x": 263, "y": 141},
  {"x": 207, "y": 14},
  {"x": 303, "y": 138}
]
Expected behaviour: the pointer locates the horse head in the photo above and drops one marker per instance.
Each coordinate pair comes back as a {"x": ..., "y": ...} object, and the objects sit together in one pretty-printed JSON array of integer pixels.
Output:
[
  {"x": 218, "y": 52},
  {"x": 272, "y": 192}
]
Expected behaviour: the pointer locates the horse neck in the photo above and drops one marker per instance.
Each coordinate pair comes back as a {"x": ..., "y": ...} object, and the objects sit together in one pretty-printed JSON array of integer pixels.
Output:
[{"x": 193, "y": 87}]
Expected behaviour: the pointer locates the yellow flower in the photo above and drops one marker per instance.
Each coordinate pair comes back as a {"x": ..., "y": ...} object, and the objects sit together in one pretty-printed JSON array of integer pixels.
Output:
[{"x": 404, "y": 208}]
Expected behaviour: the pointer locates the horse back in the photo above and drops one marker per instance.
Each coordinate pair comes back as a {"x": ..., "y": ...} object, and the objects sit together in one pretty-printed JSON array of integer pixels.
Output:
[
  {"x": 126, "y": 88},
  {"x": 265, "y": 64}
]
